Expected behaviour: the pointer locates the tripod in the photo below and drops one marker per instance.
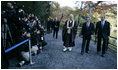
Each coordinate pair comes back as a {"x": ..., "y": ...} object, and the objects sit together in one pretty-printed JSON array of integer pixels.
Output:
[{"x": 4, "y": 32}]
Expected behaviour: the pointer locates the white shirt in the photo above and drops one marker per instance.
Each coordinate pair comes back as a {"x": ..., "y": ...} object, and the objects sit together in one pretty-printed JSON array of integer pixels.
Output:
[
  {"x": 102, "y": 22},
  {"x": 70, "y": 21},
  {"x": 88, "y": 24}
]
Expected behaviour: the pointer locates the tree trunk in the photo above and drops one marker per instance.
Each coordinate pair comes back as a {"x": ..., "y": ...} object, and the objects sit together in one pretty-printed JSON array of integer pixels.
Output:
[{"x": 89, "y": 8}]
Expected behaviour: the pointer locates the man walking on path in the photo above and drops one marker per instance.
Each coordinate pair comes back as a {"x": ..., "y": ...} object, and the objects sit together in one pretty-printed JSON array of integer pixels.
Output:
[
  {"x": 87, "y": 31},
  {"x": 69, "y": 33},
  {"x": 103, "y": 32}
]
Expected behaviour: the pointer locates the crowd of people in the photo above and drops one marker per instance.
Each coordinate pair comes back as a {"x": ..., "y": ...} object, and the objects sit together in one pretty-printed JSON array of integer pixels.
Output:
[
  {"x": 17, "y": 26},
  {"x": 53, "y": 26}
]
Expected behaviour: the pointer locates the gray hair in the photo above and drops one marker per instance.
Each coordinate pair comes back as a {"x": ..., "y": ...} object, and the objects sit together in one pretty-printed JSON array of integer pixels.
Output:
[
  {"x": 88, "y": 17},
  {"x": 103, "y": 15}
]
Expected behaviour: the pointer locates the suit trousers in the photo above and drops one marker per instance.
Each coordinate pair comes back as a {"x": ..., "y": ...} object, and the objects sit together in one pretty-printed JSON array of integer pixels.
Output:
[
  {"x": 104, "y": 45},
  {"x": 86, "y": 41}
]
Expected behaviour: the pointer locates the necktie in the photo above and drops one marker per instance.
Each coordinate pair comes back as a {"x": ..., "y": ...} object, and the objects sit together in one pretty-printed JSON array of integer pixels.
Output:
[
  {"x": 102, "y": 24},
  {"x": 87, "y": 25}
]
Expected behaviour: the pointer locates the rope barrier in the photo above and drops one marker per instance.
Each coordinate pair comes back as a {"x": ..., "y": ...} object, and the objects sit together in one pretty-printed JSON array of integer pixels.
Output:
[
  {"x": 21, "y": 44},
  {"x": 13, "y": 47}
]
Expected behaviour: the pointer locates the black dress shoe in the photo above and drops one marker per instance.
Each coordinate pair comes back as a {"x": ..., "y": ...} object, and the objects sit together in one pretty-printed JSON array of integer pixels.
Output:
[
  {"x": 82, "y": 53},
  {"x": 19, "y": 65},
  {"x": 98, "y": 52},
  {"x": 86, "y": 51},
  {"x": 102, "y": 55}
]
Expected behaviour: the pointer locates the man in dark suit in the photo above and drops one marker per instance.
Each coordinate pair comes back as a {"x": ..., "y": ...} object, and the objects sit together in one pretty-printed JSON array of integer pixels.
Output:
[
  {"x": 102, "y": 32},
  {"x": 87, "y": 31},
  {"x": 48, "y": 25},
  {"x": 56, "y": 27}
]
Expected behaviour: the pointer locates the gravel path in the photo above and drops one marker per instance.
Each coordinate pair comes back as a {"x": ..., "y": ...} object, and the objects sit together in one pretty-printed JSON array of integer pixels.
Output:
[{"x": 53, "y": 57}]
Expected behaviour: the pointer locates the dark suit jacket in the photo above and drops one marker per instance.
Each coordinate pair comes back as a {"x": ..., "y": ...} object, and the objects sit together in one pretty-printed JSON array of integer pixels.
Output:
[
  {"x": 56, "y": 23},
  {"x": 105, "y": 31},
  {"x": 87, "y": 32},
  {"x": 49, "y": 24}
]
